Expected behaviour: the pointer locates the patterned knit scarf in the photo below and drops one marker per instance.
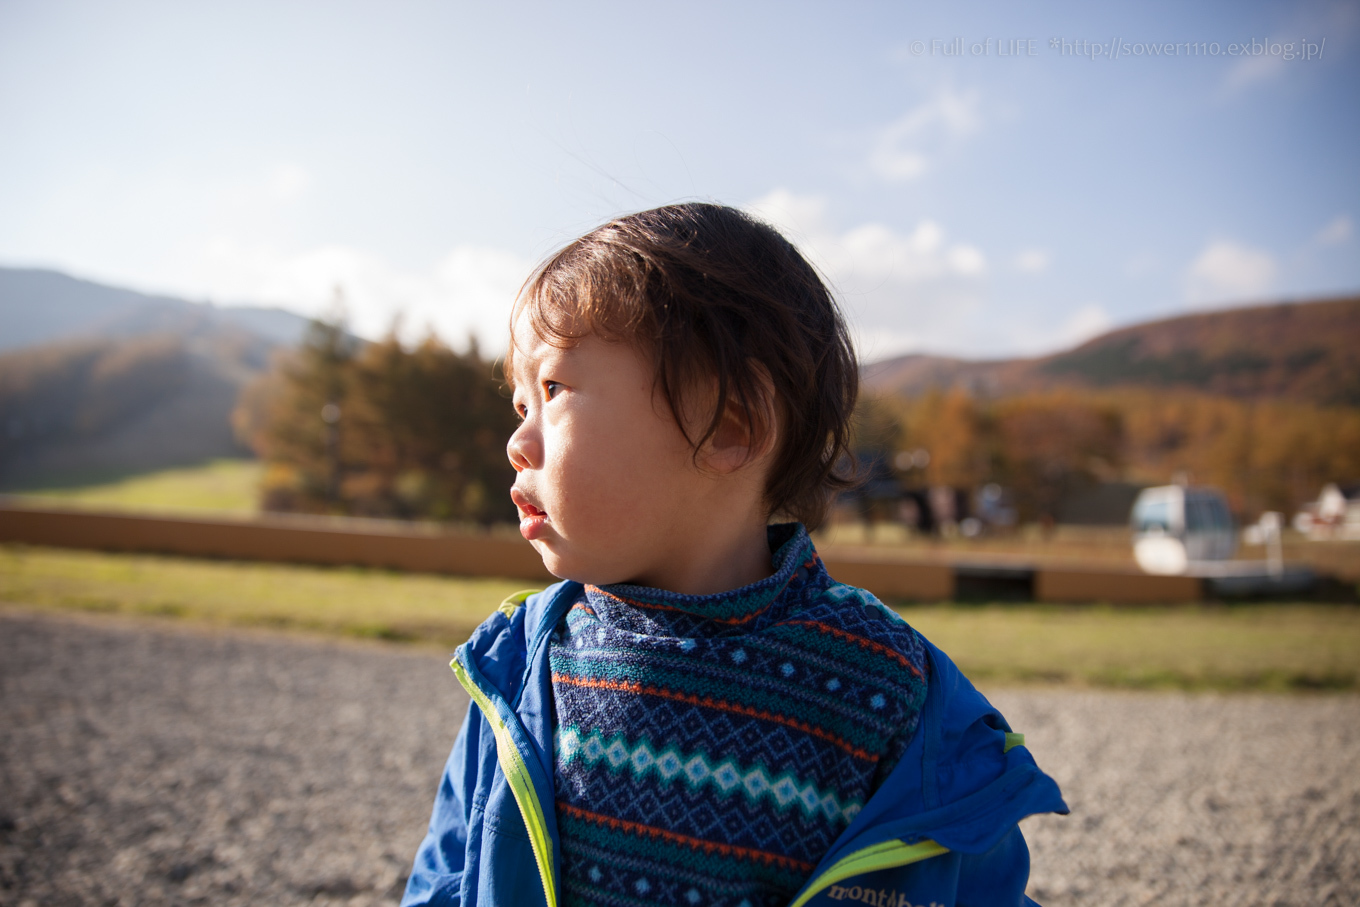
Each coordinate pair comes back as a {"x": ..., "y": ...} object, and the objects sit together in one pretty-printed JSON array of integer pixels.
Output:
[{"x": 709, "y": 749}]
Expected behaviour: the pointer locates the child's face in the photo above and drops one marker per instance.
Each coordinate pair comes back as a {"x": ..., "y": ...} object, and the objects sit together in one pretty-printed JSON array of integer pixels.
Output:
[{"x": 606, "y": 478}]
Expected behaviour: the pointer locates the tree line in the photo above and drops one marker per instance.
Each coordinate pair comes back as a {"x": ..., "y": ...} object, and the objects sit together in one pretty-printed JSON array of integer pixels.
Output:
[
  {"x": 381, "y": 430},
  {"x": 1264, "y": 454},
  {"x": 389, "y": 430}
]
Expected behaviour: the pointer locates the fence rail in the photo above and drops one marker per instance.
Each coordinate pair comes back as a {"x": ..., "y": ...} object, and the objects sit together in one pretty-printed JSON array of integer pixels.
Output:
[{"x": 396, "y": 546}]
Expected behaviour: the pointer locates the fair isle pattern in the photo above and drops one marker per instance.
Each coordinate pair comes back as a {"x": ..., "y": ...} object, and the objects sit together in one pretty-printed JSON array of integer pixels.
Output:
[
  {"x": 695, "y": 769},
  {"x": 709, "y": 749}
]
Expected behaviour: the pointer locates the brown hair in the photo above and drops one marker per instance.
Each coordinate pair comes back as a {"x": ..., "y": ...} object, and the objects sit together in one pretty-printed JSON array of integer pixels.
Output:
[{"x": 712, "y": 294}]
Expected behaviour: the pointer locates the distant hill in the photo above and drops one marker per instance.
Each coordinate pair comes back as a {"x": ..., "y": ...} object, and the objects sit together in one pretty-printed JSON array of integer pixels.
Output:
[
  {"x": 89, "y": 409},
  {"x": 98, "y": 381},
  {"x": 38, "y": 306},
  {"x": 1301, "y": 350}
]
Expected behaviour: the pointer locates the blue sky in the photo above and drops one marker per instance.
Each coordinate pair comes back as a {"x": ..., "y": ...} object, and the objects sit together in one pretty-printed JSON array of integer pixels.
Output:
[{"x": 1033, "y": 191}]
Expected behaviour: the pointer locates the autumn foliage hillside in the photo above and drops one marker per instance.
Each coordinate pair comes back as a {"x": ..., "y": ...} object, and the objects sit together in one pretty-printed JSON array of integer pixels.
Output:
[{"x": 1262, "y": 402}]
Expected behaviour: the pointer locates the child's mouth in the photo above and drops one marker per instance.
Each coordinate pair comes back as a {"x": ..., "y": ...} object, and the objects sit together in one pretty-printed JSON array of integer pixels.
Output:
[{"x": 531, "y": 519}]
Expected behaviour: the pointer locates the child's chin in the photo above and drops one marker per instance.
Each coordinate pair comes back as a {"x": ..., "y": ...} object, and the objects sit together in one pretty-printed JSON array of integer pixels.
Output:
[
  {"x": 554, "y": 562},
  {"x": 564, "y": 566}
]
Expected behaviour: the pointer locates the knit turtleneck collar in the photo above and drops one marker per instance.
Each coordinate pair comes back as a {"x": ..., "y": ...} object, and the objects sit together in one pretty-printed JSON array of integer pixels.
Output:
[{"x": 656, "y": 612}]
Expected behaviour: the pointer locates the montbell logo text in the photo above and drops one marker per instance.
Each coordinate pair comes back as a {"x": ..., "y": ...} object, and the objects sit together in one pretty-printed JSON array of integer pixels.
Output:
[{"x": 877, "y": 897}]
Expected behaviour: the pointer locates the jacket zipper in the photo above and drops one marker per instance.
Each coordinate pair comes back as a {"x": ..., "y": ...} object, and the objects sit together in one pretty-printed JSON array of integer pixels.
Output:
[
  {"x": 884, "y": 855},
  {"x": 521, "y": 785}
]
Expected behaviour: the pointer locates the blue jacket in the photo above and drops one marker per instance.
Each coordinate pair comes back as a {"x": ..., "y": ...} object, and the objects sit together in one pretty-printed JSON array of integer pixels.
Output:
[{"x": 940, "y": 831}]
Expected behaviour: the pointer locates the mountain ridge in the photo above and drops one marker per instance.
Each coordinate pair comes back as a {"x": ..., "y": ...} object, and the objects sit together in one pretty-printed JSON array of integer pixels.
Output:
[
  {"x": 1306, "y": 350},
  {"x": 39, "y": 306},
  {"x": 97, "y": 380}
]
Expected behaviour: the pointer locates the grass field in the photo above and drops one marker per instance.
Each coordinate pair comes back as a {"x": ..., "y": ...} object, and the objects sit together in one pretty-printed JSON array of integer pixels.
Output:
[
  {"x": 1260, "y": 647},
  {"x": 222, "y": 486},
  {"x": 346, "y": 601},
  {"x": 1238, "y": 647}
]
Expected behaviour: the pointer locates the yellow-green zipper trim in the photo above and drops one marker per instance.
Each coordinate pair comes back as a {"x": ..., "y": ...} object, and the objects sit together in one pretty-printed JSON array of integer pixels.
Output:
[
  {"x": 885, "y": 855},
  {"x": 512, "y": 602},
  {"x": 517, "y": 774}
]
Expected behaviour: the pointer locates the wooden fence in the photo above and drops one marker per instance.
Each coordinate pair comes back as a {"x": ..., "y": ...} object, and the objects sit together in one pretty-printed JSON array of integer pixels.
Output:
[{"x": 397, "y": 546}]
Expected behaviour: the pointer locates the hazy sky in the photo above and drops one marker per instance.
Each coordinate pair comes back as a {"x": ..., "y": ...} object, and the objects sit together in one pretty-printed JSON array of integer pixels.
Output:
[{"x": 1077, "y": 167}]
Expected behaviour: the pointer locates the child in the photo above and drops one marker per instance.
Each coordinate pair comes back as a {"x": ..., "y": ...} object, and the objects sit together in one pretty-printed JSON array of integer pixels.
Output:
[{"x": 698, "y": 714}]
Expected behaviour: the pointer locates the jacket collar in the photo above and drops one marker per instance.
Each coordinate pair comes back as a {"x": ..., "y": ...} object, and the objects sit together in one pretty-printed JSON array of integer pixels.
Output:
[{"x": 657, "y": 612}]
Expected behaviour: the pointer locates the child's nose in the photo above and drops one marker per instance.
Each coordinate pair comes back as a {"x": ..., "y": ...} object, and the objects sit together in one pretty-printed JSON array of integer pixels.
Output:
[{"x": 523, "y": 449}]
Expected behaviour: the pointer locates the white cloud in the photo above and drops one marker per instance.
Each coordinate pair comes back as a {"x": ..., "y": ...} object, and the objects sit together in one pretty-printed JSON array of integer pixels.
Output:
[
  {"x": 289, "y": 181},
  {"x": 901, "y": 291},
  {"x": 905, "y": 150},
  {"x": 1083, "y": 324},
  {"x": 1037, "y": 335},
  {"x": 1313, "y": 31},
  {"x": 1337, "y": 231},
  {"x": 1226, "y": 272},
  {"x": 244, "y": 250},
  {"x": 1142, "y": 264},
  {"x": 1031, "y": 261},
  {"x": 468, "y": 291},
  {"x": 1248, "y": 71}
]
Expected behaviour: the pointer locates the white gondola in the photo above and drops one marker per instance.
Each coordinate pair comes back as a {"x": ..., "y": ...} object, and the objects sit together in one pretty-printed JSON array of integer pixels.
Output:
[
  {"x": 1183, "y": 531},
  {"x": 1176, "y": 529}
]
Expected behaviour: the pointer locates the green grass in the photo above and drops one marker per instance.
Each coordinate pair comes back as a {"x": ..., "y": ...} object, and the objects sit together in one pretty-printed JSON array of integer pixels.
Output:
[
  {"x": 221, "y": 486},
  {"x": 1226, "y": 647},
  {"x": 344, "y": 601},
  {"x": 1278, "y": 647}
]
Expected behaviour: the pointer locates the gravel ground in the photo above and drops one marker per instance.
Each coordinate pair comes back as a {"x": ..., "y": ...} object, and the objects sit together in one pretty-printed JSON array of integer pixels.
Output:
[
  {"x": 147, "y": 764},
  {"x": 154, "y": 763},
  {"x": 1194, "y": 798}
]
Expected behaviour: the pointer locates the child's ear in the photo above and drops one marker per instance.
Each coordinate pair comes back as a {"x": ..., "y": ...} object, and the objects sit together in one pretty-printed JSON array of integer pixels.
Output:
[
  {"x": 743, "y": 436},
  {"x": 729, "y": 448}
]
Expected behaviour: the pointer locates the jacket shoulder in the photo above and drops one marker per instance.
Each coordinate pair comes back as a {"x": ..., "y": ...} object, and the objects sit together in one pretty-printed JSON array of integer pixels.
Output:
[{"x": 501, "y": 644}]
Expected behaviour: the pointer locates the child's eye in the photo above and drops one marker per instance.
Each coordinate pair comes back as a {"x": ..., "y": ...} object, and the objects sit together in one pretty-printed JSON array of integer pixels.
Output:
[{"x": 550, "y": 389}]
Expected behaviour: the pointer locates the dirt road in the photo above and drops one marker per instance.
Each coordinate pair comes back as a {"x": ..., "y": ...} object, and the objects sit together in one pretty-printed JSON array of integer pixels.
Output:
[{"x": 155, "y": 763}]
